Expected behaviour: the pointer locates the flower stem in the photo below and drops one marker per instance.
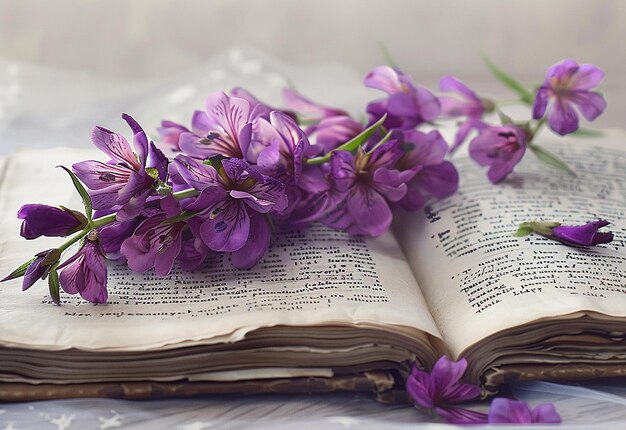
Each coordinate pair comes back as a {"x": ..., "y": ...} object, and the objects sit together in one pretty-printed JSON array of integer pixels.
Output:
[{"x": 183, "y": 194}]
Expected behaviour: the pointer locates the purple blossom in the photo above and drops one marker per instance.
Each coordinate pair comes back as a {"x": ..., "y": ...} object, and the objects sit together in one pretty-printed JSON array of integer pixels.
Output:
[
  {"x": 442, "y": 388},
  {"x": 232, "y": 205},
  {"x": 39, "y": 268},
  {"x": 85, "y": 273},
  {"x": 362, "y": 186},
  {"x": 513, "y": 411},
  {"x": 434, "y": 177},
  {"x": 407, "y": 105},
  {"x": 126, "y": 180},
  {"x": 586, "y": 234},
  {"x": 156, "y": 242},
  {"x": 277, "y": 147},
  {"x": 462, "y": 102},
  {"x": 331, "y": 127},
  {"x": 44, "y": 220},
  {"x": 222, "y": 129},
  {"x": 568, "y": 86},
  {"x": 500, "y": 148}
]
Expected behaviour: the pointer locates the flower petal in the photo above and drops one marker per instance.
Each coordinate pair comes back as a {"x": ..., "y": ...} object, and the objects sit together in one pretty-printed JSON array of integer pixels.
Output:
[
  {"x": 588, "y": 77},
  {"x": 231, "y": 114},
  {"x": 115, "y": 146},
  {"x": 454, "y": 85},
  {"x": 540, "y": 102},
  {"x": 590, "y": 104},
  {"x": 97, "y": 175},
  {"x": 454, "y": 415},
  {"x": 545, "y": 413},
  {"x": 257, "y": 244},
  {"x": 197, "y": 175},
  {"x": 384, "y": 78},
  {"x": 509, "y": 411},
  {"x": 562, "y": 117},
  {"x": 369, "y": 210},
  {"x": 228, "y": 228}
]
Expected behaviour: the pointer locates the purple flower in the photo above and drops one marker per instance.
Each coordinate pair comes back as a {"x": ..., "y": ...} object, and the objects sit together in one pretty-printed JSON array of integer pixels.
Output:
[
  {"x": 407, "y": 105},
  {"x": 500, "y": 148},
  {"x": 512, "y": 411},
  {"x": 39, "y": 268},
  {"x": 85, "y": 273},
  {"x": 441, "y": 388},
  {"x": 331, "y": 127},
  {"x": 568, "y": 85},
  {"x": 156, "y": 242},
  {"x": 424, "y": 155},
  {"x": 362, "y": 186},
  {"x": 464, "y": 103},
  {"x": 125, "y": 180},
  {"x": 586, "y": 234},
  {"x": 44, "y": 220},
  {"x": 232, "y": 205},
  {"x": 223, "y": 129},
  {"x": 277, "y": 147}
]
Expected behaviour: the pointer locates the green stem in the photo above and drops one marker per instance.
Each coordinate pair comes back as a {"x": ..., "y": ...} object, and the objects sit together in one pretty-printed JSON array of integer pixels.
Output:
[
  {"x": 183, "y": 194},
  {"x": 73, "y": 240},
  {"x": 539, "y": 125}
]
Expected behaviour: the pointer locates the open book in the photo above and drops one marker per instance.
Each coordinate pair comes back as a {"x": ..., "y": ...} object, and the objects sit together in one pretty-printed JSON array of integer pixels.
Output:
[{"x": 325, "y": 311}]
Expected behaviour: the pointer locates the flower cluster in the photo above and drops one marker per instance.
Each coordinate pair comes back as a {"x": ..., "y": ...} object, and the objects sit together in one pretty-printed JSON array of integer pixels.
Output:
[
  {"x": 242, "y": 166},
  {"x": 441, "y": 390}
]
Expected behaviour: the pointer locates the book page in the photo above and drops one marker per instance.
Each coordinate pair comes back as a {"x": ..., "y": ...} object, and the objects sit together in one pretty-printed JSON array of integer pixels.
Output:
[
  {"x": 309, "y": 277},
  {"x": 479, "y": 279}
]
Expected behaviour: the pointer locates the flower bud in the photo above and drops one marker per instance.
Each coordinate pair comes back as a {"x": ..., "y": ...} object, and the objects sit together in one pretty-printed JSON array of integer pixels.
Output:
[
  {"x": 586, "y": 234},
  {"x": 44, "y": 220},
  {"x": 40, "y": 267}
]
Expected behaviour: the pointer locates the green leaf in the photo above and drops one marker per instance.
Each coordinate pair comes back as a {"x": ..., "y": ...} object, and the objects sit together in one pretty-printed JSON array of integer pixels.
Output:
[
  {"x": 19, "y": 272},
  {"x": 53, "y": 286},
  {"x": 525, "y": 95},
  {"x": 550, "y": 159},
  {"x": 353, "y": 143},
  {"x": 82, "y": 191},
  {"x": 523, "y": 230}
]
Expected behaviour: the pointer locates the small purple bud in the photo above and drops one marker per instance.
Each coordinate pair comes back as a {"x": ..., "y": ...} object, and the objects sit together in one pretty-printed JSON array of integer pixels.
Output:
[
  {"x": 585, "y": 234},
  {"x": 40, "y": 267},
  {"x": 44, "y": 220}
]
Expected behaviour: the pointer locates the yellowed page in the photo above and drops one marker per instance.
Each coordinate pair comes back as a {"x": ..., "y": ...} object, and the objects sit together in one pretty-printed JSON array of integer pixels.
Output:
[
  {"x": 479, "y": 279},
  {"x": 312, "y": 277}
]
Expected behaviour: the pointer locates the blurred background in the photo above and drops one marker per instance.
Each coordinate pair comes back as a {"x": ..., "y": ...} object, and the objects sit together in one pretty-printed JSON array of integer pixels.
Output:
[{"x": 94, "y": 55}]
